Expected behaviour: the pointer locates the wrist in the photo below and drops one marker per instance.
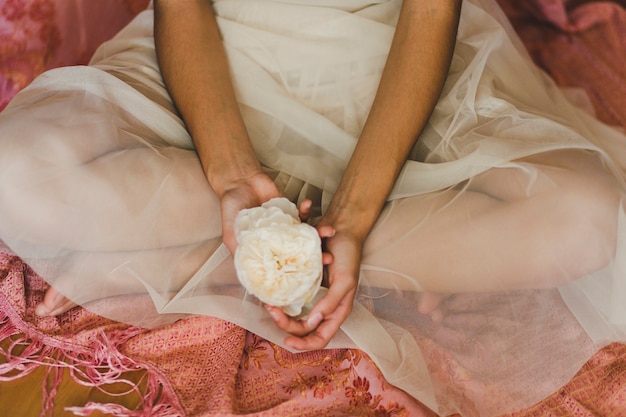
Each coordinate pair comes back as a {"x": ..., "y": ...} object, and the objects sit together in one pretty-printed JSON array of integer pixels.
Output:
[
  {"x": 227, "y": 160},
  {"x": 224, "y": 178},
  {"x": 352, "y": 213}
]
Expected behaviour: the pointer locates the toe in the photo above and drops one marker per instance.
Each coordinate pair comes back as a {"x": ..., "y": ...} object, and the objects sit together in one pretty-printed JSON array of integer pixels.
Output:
[
  {"x": 428, "y": 302},
  {"x": 53, "y": 303}
]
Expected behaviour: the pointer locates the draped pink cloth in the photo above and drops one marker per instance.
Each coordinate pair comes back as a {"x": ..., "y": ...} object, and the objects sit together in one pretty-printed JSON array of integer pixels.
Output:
[
  {"x": 580, "y": 44},
  {"x": 36, "y": 35}
]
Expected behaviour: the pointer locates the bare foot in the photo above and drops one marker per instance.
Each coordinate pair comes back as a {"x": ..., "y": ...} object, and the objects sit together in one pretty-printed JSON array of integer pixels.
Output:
[
  {"x": 115, "y": 273},
  {"x": 53, "y": 304},
  {"x": 429, "y": 304}
]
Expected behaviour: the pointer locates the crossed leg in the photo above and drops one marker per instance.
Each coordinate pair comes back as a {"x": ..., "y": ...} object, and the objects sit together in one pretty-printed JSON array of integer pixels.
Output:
[
  {"x": 105, "y": 197},
  {"x": 549, "y": 219}
]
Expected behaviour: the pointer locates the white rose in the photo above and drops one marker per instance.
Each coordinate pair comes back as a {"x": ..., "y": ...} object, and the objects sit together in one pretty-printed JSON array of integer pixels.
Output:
[{"x": 278, "y": 258}]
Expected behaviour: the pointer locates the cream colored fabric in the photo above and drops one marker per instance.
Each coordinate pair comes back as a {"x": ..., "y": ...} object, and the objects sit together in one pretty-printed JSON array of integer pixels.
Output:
[{"x": 102, "y": 193}]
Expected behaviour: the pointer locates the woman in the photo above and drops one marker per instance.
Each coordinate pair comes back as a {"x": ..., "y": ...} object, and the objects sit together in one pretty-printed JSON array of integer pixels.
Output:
[{"x": 429, "y": 152}]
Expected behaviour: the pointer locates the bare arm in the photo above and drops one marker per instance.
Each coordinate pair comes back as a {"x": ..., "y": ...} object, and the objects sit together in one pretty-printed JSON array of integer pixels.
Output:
[
  {"x": 195, "y": 69},
  {"x": 416, "y": 70},
  {"x": 410, "y": 86}
]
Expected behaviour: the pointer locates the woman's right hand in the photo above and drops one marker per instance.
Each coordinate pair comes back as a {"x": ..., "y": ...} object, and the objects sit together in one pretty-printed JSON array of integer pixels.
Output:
[{"x": 245, "y": 193}]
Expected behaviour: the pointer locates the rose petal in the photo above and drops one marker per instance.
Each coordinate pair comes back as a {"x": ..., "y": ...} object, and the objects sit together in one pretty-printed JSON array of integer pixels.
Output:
[{"x": 278, "y": 259}]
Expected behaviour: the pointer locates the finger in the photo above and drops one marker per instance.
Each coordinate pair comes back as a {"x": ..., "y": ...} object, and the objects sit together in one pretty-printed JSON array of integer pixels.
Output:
[
  {"x": 304, "y": 211},
  {"x": 54, "y": 303},
  {"x": 322, "y": 335},
  {"x": 339, "y": 290},
  {"x": 319, "y": 339},
  {"x": 325, "y": 231},
  {"x": 428, "y": 302},
  {"x": 327, "y": 258},
  {"x": 229, "y": 239},
  {"x": 324, "y": 320},
  {"x": 300, "y": 327},
  {"x": 228, "y": 233}
]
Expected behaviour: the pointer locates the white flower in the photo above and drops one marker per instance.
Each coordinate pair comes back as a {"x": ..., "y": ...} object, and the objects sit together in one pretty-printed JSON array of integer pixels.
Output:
[{"x": 278, "y": 258}]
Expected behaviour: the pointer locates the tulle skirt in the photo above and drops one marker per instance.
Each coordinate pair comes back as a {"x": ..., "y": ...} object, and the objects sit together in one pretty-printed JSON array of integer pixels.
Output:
[{"x": 102, "y": 193}]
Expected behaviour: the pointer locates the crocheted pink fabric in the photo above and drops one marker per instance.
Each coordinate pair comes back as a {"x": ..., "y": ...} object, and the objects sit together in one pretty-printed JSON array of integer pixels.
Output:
[
  {"x": 202, "y": 366},
  {"x": 198, "y": 366}
]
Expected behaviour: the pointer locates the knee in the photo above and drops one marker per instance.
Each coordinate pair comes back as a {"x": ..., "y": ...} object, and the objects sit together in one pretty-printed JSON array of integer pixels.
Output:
[
  {"x": 587, "y": 222},
  {"x": 25, "y": 182}
]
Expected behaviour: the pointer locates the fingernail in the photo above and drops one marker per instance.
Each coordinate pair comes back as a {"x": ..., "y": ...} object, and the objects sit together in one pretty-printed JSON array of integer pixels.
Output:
[
  {"x": 274, "y": 315},
  {"x": 314, "y": 320}
]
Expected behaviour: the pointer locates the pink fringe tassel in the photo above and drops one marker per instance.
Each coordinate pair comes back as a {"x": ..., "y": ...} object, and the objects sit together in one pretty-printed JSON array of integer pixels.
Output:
[{"x": 97, "y": 366}]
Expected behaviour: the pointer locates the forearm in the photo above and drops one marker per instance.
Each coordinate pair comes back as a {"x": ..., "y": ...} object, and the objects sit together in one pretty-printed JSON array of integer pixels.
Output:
[
  {"x": 195, "y": 70},
  {"x": 410, "y": 86}
]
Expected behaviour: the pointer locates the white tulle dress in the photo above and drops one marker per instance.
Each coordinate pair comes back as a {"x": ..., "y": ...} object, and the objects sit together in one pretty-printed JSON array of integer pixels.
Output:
[{"x": 102, "y": 193}]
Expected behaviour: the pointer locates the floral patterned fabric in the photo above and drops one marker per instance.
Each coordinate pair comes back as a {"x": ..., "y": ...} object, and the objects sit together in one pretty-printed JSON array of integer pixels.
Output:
[
  {"x": 36, "y": 35},
  {"x": 200, "y": 366}
]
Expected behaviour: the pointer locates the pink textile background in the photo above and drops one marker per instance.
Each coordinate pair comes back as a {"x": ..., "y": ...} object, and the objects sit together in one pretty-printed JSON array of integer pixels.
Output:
[
  {"x": 580, "y": 43},
  {"x": 36, "y": 35},
  {"x": 202, "y": 366}
]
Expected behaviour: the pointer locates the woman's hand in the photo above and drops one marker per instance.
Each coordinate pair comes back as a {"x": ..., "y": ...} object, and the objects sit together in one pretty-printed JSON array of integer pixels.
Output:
[
  {"x": 245, "y": 193},
  {"x": 342, "y": 259}
]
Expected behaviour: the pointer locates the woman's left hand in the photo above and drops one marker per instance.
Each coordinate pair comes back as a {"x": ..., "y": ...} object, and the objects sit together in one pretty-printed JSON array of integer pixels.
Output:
[{"x": 342, "y": 260}]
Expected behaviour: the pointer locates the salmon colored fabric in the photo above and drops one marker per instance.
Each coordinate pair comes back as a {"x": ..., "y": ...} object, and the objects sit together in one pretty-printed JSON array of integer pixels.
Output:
[
  {"x": 36, "y": 35},
  {"x": 202, "y": 366},
  {"x": 199, "y": 366},
  {"x": 580, "y": 44}
]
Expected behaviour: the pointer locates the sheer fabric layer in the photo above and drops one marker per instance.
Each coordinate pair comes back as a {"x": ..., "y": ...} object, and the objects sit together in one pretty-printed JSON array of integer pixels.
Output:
[{"x": 102, "y": 193}]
